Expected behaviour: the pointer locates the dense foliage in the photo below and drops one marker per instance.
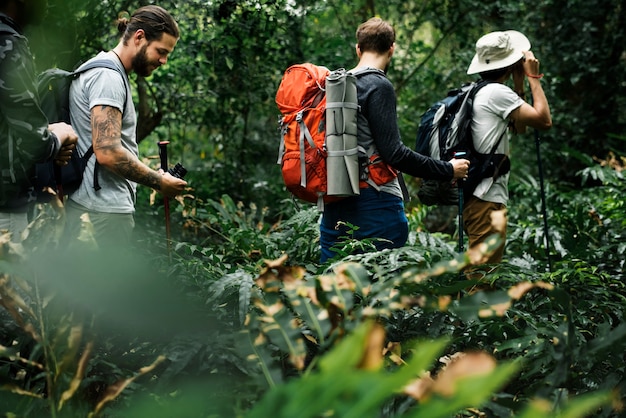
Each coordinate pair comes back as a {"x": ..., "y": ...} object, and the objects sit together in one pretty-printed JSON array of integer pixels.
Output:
[
  {"x": 236, "y": 317},
  {"x": 215, "y": 99}
]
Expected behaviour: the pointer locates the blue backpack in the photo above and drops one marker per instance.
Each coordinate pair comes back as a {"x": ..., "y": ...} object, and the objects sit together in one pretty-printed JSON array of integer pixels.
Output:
[{"x": 443, "y": 133}]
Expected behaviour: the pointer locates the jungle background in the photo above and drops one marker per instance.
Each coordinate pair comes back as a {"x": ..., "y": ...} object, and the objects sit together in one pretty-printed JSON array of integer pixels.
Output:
[{"x": 235, "y": 317}]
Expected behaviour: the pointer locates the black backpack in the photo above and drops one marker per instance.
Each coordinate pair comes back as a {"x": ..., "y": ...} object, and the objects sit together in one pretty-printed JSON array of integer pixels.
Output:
[
  {"x": 445, "y": 131},
  {"x": 53, "y": 86}
]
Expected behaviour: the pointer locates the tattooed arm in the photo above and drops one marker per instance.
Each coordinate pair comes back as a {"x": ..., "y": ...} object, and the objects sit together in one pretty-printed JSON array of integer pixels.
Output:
[{"x": 106, "y": 127}]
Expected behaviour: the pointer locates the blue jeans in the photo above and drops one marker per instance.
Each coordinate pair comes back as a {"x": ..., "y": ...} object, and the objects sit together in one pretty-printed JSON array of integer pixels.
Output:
[{"x": 377, "y": 214}]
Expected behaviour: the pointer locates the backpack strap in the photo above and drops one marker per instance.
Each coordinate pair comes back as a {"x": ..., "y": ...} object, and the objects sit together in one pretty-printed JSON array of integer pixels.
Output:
[
  {"x": 360, "y": 71},
  {"x": 99, "y": 63},
  {"x": 480, "y": 84},
  {"x": 304, "y": 134}
]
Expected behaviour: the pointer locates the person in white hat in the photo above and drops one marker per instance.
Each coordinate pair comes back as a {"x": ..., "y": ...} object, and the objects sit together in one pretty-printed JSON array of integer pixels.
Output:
[{"x": 499, "y": 111}]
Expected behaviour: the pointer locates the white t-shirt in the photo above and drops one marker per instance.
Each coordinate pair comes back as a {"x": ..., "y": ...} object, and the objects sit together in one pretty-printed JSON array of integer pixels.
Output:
[
  {"x": 493, "y": 105},
  {"x": 96, "y": 87}
]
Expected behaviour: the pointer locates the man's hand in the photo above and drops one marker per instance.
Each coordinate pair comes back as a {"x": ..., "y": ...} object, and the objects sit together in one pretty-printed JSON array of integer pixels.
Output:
[
  {"x": 171, "y": 186},
  {"x": 531, "y": 64},
  {"x": 68, "y": 139},
  {"x": 65, "y": 154},
  {"x": 461, "y": 168}
]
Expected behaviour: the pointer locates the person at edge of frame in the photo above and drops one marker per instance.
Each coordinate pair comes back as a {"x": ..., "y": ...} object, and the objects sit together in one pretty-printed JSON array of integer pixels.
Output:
[
  {"x": 378, "y": 212},
  {"x": 499, "y": 110},
  {"x": 26, "y": 136}
]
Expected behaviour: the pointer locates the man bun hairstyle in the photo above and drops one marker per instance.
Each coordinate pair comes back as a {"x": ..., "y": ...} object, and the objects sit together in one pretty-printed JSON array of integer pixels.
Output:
[
  {"x": 375, "y": 35},
  {"x": 153, "y": 20}
]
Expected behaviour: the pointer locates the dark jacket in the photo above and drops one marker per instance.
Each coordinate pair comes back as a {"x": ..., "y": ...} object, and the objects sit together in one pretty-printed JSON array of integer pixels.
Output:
[{"x": 24, "y": 136}]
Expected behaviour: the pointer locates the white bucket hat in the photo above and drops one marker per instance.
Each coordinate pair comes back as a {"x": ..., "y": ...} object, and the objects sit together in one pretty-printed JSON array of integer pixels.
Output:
[{"x": 498, "y": 50}]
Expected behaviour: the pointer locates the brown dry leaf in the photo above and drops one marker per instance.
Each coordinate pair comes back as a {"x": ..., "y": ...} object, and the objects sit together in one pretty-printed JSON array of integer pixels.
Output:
[
  {"x": 444, "y": 302},
  {"x": 269, "y": 310},
  {"x": 476, "y": 254},
  {"x": 275, "y": 272},
  {"x": 373, "y": 355},
  {"x": 344, "y": 281},
  {"x": 477, "y": 413},
  {"x": 326, "y": 282},
  {"x": 312, "y": 294},
  {"x": 153, "y": 196},
  {"x": 612, "y": 161},
  {"x": 421, "y": 388},
  {"x": 460, "y": 367},
  {"x": 298, "y": 361},
  {"x": 447, "y": 360},
  {"x": 497, "y": 309},
  {"x": 78, "y": 376},
  {"x": 272, "y": 264},
  {"x": 544, "y": 285},
  {"x": 5, "y": 352},
  {"x": 20, "y": 391},
  {"x": 74, "y": 339},
  {"x": 393, "y": 347},
  {"x": 520, "y": 289},
  {"x": 115, "y": 389},
  {"x": 292, "y": 277},
  {"x": 267, "y": 277}
]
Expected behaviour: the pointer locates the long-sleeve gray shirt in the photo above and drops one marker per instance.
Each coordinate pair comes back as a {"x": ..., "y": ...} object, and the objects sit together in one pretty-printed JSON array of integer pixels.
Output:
[{"x": 377, "y": 100}]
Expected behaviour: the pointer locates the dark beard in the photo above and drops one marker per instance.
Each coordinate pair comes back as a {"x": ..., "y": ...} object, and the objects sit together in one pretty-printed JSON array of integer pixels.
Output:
[{"x": 140, "y": 63}]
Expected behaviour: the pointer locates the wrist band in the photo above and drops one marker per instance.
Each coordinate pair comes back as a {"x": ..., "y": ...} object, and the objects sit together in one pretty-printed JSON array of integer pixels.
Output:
[{"x": 534, "y": 75}]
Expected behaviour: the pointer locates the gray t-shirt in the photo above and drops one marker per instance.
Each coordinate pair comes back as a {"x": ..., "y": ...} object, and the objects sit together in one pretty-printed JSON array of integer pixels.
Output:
[
  {"x": 96, "y": 87},
  {"x": 493, "y": 105}
]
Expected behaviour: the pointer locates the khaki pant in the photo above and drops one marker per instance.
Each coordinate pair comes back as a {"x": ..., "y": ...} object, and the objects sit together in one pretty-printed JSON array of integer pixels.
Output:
[
  {"x": 478, "y": 223},
  {"x": 109, "y": 229}
]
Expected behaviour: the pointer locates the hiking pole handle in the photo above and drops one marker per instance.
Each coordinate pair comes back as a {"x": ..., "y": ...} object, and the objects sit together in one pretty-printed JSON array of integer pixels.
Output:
[
  {"x": 163, "y": 154},
  {"x": 166, "y": 202}
]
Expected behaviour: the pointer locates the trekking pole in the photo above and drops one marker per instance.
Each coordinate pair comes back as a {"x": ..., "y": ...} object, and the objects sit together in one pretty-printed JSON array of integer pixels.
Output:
[
  {"x": 543, "y": 200},
  {"x": 166, "y": 201},
  {"x": 459, "y": 184},
  {"x": 461, "y": 244}
]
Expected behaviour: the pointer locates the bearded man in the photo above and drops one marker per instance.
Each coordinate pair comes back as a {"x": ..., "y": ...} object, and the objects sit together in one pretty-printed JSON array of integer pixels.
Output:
[{"x": 104, "y": 117}]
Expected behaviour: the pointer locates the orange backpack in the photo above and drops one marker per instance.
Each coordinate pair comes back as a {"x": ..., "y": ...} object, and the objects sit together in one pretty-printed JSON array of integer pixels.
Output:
[{"x": 301, "y": 100}]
